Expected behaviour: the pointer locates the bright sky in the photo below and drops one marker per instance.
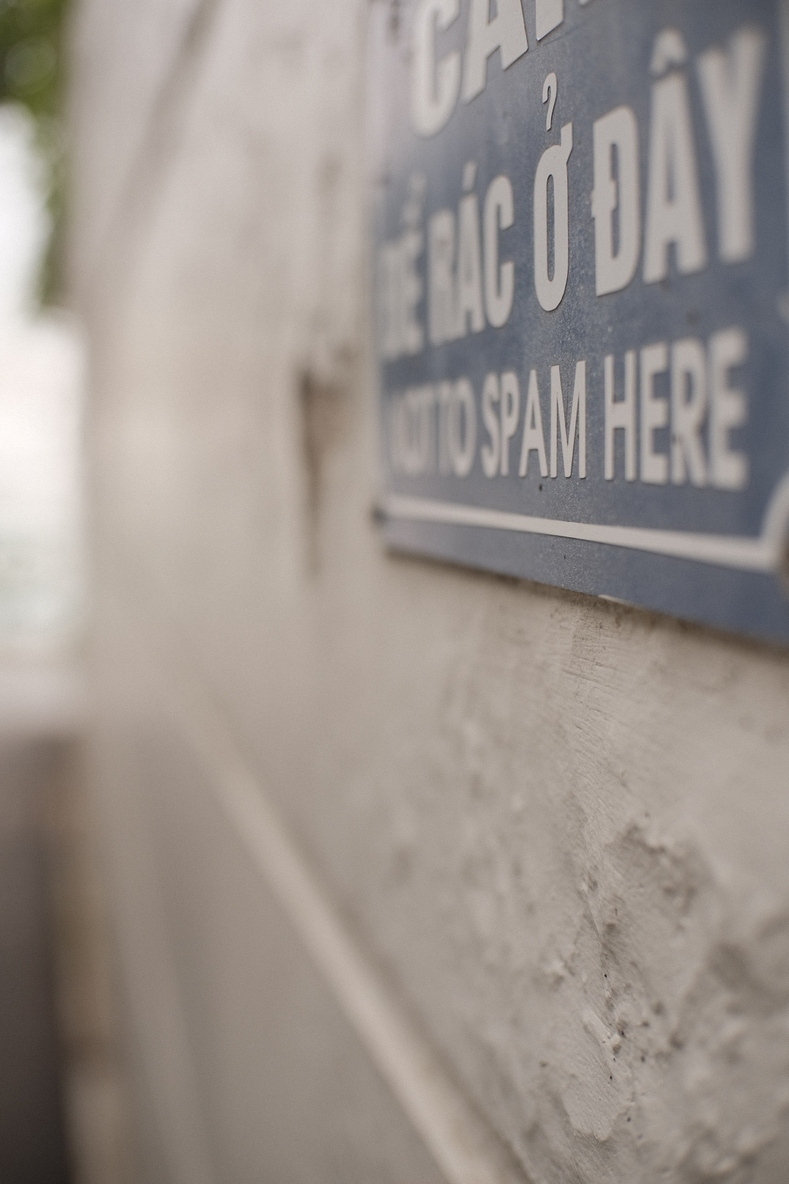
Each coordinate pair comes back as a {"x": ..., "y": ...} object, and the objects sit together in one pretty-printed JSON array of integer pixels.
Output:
[
  {"x": 24, "y": 221},
  {"x": 41, "y": 377}
]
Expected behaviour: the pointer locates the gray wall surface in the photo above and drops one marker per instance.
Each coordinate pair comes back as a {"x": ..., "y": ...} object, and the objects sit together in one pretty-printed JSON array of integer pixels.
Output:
[{"x": 416, "y": 872}]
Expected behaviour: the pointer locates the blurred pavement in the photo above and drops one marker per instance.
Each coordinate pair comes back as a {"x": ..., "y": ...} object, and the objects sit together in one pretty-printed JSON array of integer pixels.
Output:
[{"x": 32, "y": 1110}]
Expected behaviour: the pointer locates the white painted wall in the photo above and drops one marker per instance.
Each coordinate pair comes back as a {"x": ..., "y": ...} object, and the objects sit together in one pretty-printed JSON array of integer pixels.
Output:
[{"x": 541, "y": 840}]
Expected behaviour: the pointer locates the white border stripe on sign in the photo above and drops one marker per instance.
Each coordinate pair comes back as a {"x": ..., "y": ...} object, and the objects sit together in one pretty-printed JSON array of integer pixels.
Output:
[{"x": 746, "y": 554}]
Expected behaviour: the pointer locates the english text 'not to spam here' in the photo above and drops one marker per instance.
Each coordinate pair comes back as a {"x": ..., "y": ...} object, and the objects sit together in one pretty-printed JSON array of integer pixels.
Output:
[{"x": 671, "y": 413}]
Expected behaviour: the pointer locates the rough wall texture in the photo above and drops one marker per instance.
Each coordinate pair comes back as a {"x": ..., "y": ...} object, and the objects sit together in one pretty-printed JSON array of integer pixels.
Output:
[{"x": 559, "y": 828}]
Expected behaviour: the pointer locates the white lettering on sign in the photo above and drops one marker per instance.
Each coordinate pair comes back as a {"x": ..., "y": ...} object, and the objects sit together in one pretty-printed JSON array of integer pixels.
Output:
[
  {"x": 616, "y": 201},
  {"x": 582, "y": 301},
  {"x": 533, "y": 435},
  {"x": 620, "y": 416},
  {"x": 400, "y": 291},
  {"x": 462, "y": 428},
  {"x": 505, "y": 393},
  {"x": 699, "y": 399},
  {"x": 506, "y": 32},
  {"x": 441, "y": 270},
  {"x": 552, "y": 169},
  {"x": 469, "y": 284},
  {"x": 728, "y": 409},
  {"x": 435, "y": 84},
  {"x": 549, "y": 14},
  {"x": 731, "y": 87},
  {"x": 490, "y": 453},
  {"x": 688, "y": 411},
  {"x": 436, "y": 81},
  {"x": 470, "y": 306},
  {"x": 510, "y": 416},
  {"x": 674, "y": 416},
  {"x": 730, "y": 82},
  {"x": 673, "y": 215},
  {"x": 411, "y": 431},
  {"x": 654, "y": 414},
  {"x": 672, "y": 410},
  {"x": 550, "y": 94},
  {"x": 418, "y": 444},
  {"x": 499, "y": 277},
  {"x": 577, "y": 423}
]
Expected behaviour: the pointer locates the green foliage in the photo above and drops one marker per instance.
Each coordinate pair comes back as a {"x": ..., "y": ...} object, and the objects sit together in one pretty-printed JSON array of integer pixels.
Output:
[
  {"x": 32, "y": 72},
  {"x": 31, "y": 58}
]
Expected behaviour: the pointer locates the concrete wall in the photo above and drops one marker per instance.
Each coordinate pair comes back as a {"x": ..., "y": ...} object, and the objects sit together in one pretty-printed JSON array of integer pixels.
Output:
[{"x": 417, "y": 872}]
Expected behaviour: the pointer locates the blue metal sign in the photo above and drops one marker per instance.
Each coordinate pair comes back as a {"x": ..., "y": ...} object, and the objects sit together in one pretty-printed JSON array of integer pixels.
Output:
[{"x": 582, "y": 294}]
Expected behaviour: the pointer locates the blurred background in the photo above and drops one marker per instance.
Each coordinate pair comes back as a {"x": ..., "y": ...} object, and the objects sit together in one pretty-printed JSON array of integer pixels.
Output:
[
  {"x": 61, "y": 1115},
  {"x": 319, "y": 864}
]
